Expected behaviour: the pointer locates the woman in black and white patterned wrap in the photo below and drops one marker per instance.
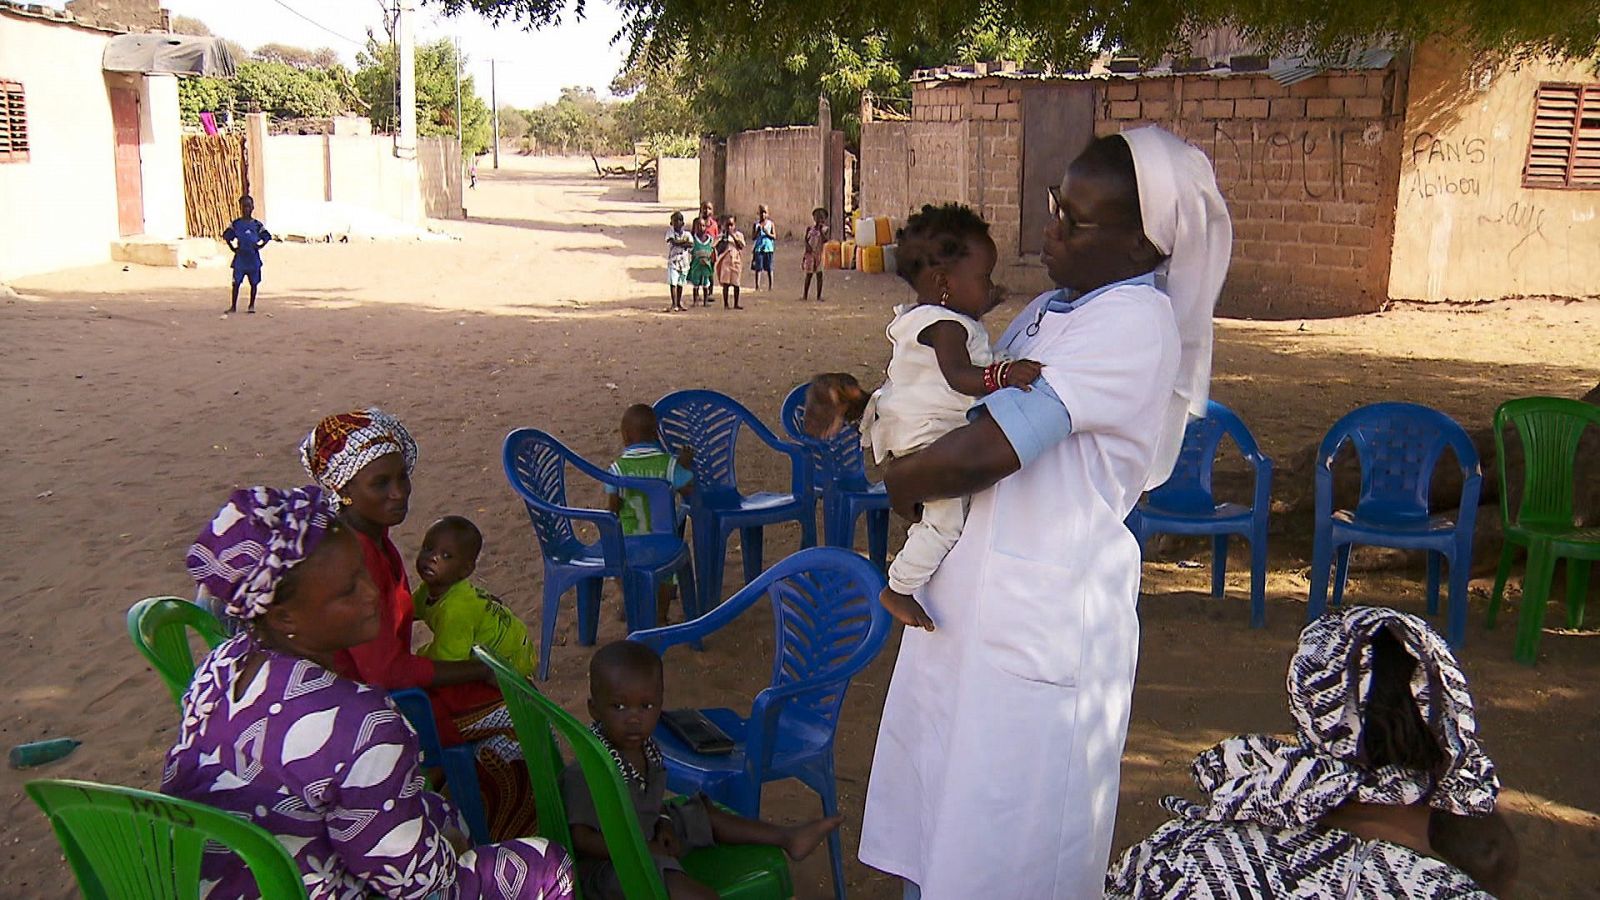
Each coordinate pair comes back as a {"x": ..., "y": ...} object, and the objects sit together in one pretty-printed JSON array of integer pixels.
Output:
[{"x": 1386, "y": 736}]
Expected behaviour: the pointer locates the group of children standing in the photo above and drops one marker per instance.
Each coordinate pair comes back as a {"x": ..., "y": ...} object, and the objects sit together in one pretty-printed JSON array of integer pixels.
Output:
[{"x": 712, "y": 252}]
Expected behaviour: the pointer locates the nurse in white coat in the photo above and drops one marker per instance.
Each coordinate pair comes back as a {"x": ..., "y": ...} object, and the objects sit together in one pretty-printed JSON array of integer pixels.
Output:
[{"x": 998, "y": 755}]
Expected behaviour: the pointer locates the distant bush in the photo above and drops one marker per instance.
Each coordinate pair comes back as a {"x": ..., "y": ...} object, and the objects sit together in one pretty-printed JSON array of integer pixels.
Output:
[{"x": 675, "y": 146}]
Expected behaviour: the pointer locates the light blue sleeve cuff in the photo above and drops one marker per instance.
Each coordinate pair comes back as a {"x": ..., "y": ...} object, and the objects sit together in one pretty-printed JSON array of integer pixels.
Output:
[{"x": 1033, "y": 421}]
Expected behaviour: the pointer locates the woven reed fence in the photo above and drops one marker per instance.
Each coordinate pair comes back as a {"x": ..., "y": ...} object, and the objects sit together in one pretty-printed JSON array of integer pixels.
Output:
[{"x": 214, "y": 178}]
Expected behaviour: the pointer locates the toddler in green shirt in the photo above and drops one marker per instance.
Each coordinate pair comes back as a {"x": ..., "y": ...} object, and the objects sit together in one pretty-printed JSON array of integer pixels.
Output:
[{"x": 459, "y": 614}]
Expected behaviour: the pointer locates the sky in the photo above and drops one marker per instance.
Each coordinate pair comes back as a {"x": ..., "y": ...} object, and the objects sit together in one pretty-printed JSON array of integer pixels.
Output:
[{"x": 531, "y": 67}]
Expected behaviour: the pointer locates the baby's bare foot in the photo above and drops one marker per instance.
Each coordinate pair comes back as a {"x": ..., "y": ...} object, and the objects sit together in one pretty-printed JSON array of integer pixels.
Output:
[{"x": 805, "y": 838}]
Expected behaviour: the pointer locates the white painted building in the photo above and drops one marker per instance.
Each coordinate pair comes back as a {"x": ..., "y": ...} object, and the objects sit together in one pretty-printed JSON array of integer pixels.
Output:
[{"x": 88, "y": 157}]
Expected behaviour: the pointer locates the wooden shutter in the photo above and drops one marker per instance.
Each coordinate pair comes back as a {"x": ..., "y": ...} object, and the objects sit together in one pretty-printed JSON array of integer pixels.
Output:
[
  {"x": 13, "y": 123},
  {"x": 1564, "y": 151}
]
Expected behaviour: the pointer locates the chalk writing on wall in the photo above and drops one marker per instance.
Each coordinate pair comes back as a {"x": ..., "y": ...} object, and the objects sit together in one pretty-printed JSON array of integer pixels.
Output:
[
  {"x": 1526, "y": 221},
  {"x": 1312, "y": 162},
  {"x": 1427, "y": 149}
]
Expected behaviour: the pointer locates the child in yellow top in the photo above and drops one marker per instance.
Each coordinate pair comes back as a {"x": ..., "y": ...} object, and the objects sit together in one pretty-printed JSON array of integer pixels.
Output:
[{"x": 459, "y": 614}]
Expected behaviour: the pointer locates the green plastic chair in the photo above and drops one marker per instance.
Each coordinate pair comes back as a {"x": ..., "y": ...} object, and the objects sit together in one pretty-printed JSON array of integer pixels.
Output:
[
  {"x": 1550, "y": 429},
  {"x": 735, "y": 872},
  {"x": 159, "y": 627},
  {"x": 126, "y": 844}
]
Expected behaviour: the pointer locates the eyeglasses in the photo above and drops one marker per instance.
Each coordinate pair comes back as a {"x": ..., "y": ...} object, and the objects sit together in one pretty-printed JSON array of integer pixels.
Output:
[{"x": 1058, "y": 211}]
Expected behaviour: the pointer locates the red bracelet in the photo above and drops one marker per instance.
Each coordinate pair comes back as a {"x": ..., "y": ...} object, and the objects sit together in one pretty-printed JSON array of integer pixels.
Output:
[{"x": 991, "y": 381}]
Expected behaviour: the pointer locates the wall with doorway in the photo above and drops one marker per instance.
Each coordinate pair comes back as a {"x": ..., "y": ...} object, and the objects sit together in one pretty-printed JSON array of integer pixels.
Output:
[
  {"x": 60, "y": 206},
  {"x": 1465, "y": 226}
]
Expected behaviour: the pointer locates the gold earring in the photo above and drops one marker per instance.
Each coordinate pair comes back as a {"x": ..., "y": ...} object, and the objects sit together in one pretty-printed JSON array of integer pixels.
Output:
[
  {"x": 944, "y": 296},
  {"x": 345, "y": 501}
]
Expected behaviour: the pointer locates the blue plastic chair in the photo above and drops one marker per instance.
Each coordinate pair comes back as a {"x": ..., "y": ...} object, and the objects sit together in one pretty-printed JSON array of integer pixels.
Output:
[
  {"x": 839, "y": 477},
  {"x": 1398, "y": 446},
  {"x": 536, "y": 465},
  {"x": 709, "y": 423},
  {"x": 1185, "y": 504},
  {"x": 459, "y": 762},
  {"x": 829, "y": 626}
]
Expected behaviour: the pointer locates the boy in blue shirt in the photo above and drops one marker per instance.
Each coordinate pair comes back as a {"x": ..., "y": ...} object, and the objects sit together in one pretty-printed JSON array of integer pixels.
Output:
[{"x": 245, "y": 237}]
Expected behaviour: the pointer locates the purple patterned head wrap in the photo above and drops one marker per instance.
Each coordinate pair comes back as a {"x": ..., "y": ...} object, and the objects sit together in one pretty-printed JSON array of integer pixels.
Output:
[
  {"x": 254, "y": 540},
  {"x": 1264, "y": 779}
]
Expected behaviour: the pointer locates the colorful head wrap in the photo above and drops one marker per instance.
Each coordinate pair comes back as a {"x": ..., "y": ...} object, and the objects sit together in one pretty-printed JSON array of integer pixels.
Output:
[
  {"x": 258, "y": 536},
  {"x": 342, "y": 445},
  {"x": 1262, "y": 779}
]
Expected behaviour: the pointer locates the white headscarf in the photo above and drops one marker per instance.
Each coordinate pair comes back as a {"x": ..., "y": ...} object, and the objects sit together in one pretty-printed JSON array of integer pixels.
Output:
[{"x": 1186, "y": 218}]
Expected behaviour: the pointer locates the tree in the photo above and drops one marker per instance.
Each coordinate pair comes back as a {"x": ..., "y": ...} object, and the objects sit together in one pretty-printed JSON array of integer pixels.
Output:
[
  {"x": 513, "y": 123},
  {"x": 377, "y": 80},
  {"x": 298, "y": 57},
  {"x": 578, "y": 121},
  {"x": 1063, "y": 32},
  {"x": 192, "y": 26}
]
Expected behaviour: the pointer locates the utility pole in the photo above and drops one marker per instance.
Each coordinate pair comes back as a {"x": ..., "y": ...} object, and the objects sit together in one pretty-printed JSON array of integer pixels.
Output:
[
  {"x": 494, "y": 105},
  {"x": 405, "y": 142},
  {"x": 461, "y": 150}
]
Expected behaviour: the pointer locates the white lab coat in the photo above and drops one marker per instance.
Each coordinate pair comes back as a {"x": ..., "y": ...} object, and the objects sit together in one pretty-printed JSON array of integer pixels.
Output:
[{"x": 999, "y": 752}]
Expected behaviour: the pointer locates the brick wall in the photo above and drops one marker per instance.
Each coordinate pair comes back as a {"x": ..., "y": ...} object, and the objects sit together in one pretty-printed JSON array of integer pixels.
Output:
[
  {"x": 964, "y": 144},
  {"x": 1310, "y": 172},
  {"x": 781, "y": 167}
]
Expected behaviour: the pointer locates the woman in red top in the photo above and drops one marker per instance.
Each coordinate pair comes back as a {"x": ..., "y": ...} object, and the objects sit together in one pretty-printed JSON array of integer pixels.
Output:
[{"x": 364, "y": 460}]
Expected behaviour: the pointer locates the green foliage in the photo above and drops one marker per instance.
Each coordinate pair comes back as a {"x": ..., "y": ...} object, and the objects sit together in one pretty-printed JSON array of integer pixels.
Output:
[
  {"x": 1063, "y": 32},
  {"x": 271, "y": 87},
  {"x": 675, "y": 146},
  {"x": 513, "y": 123},
  {"x": 298, "y": 57},
  {"x": 190, "y": 25},
  {"x": 578, "y": 122},
  {"x": 376, "y": 83}
]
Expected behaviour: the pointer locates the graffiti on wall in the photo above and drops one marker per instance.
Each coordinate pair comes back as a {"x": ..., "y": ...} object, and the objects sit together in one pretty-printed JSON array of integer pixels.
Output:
[
  {"x": 1337, "y": 161},
  {"x": 1446, "y": 167},
  {"x": 1525, "y": 221}
]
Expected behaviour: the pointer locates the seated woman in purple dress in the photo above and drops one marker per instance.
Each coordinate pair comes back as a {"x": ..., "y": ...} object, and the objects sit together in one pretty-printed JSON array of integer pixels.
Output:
[{"x": 326, "y": 764}]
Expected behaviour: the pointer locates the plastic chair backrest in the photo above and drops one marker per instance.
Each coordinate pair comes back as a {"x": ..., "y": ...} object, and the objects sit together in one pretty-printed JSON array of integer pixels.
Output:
[
  {"x": 1398, "y": 446},
  {"x": 709, "y": 423},
  {"x": 128, "y": 844},
  {"x": 536, "y": 465},
  {"x": 160, "y": 629},
  {"x": 535, "y": 717},
  {"x": 1188, "y": 490},
  {"x": 840, "y": 457},
  {"x": 1551, "y": 429},
  {"x": 823, "y": 608}
]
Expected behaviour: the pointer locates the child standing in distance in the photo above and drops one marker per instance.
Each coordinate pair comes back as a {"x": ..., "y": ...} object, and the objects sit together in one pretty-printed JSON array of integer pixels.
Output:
[
  {"x": 245, "y": 237},
  {"x": 702, "y": 252},
  {"x": 942, "y": 362},
  {"x": 626, "y": 693},
  {"x": 766, "y": 244},
  {"x": 811, "y": 261},
  {"x": 679, "y": 244},
  {"x": 730, "y": 260},
  {"x": 644, "y": 457},
  {"x": 459, "y": 614}
]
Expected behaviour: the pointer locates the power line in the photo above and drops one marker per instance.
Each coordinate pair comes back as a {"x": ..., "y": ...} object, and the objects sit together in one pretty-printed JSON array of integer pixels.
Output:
[{"x": 319, "y": 24}]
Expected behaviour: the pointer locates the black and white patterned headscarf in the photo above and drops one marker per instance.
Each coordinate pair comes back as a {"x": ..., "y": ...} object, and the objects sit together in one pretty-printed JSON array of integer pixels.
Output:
[{"x": 1263, "y": 779}]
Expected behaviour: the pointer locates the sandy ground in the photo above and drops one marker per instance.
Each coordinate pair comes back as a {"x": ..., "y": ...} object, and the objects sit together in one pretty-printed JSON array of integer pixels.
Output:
[{"x": 131, "y": 408}]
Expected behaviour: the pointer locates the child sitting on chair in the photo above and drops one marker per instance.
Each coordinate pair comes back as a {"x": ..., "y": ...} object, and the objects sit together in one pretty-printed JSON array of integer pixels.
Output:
[
  {"x": 644, "y": 457},
  {"x": 459, "y": 614},
  {"x": 625, "y": 696},
  {"x": 941, "y": 363}
]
